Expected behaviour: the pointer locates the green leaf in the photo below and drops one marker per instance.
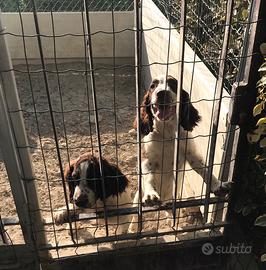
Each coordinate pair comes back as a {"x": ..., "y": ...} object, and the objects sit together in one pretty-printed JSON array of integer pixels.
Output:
[
  {"x": 244, "y": 14},
  {"x": 253, "y": 137},
  {"x": 261, "y": 121},
  {"x": 262, "y": 129},
  {"x": 262, "y": 67},
  {"x": 262, "y": 95},
  {"x": 260, "y": 221},
  {"x": 263, "y": 143},
  {"x": 258, "y": 109},
  {"x": 261, "y": 82}
]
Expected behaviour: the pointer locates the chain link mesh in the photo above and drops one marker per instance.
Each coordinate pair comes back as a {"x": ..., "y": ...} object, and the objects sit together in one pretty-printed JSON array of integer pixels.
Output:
[
  {"x": 204, "y": 32},
  {"x": 66, "y": 5},
  {"x": 205, "y": 24}
]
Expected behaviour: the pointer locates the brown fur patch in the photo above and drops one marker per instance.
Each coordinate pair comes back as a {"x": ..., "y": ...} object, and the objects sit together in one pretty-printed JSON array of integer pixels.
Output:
[{"x": 146, "y": 117}]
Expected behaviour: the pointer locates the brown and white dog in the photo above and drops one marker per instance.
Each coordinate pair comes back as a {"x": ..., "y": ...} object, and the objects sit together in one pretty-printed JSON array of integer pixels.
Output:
[
  {"x": 86, "y": 191},
  {"x": 158, "y": 125}
]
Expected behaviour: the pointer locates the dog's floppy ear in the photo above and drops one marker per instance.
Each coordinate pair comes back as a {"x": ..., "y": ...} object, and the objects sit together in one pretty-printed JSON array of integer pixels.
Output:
[
  {"x": 69, "y": 169},
  {"x": 189, "y": 115},
  {"x": 146, "y": 116}
]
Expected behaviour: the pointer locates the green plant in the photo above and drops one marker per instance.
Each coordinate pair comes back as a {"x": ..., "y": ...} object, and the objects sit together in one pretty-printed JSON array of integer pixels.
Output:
[{"x": 254, "y": 192}]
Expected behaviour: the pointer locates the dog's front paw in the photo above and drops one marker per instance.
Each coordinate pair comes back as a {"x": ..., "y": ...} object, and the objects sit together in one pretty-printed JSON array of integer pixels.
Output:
[
  {"x": 61, "y": 216},
  {"x": 151, "y": 198},
  {"x": 223, "y": 189}
]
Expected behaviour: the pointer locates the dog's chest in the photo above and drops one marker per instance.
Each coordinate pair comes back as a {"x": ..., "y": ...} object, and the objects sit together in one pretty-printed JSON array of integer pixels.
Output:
[
  {"x": 160, "y": 152},
  {"x": 159, "y": 160}
]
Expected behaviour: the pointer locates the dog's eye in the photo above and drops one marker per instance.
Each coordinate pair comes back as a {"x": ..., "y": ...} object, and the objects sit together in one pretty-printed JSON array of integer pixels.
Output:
[
  {"x": 75, "y": 175},
  {"x": 152, "y": 86}
]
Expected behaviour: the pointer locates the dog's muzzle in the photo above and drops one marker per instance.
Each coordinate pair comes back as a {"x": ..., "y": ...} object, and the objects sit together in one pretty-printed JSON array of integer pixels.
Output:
[
  {"x": 163, "y": 107},
  {"x": 81, "y": 201}
]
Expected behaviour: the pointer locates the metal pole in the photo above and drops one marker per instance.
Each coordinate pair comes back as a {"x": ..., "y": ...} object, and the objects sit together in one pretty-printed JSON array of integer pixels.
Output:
[
  {"x": 217, "y": 105},
  {"x": 15, "y": 147},
  {"x": 138, "y": 70},
  {"x": 95, "y": 108},
  {"x": 3, "y": 235},
  {"x": 177, "y": 186}
]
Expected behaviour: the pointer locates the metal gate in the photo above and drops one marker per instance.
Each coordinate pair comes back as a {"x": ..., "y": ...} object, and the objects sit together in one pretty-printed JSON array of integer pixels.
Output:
[{"x": 39, "y": 195}]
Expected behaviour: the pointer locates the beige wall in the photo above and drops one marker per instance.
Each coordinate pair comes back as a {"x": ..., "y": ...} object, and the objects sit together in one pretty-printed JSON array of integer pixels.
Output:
[
  {"x": 155, "y": 49},
  {"x": 70, "y": 23}
]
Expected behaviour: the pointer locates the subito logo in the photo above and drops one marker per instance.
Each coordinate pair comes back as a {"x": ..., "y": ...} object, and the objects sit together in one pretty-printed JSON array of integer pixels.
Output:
[{"x": 207, "y": 249}]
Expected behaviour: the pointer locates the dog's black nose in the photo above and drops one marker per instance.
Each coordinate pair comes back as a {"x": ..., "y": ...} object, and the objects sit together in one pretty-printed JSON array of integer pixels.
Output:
[{"x": 81, "y": 201}]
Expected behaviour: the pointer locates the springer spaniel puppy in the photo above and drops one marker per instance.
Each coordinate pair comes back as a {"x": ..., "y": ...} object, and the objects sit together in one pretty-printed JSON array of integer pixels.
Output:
[
  {"x": 86, "y": 194},
  {"x": 158, "y": 125}
]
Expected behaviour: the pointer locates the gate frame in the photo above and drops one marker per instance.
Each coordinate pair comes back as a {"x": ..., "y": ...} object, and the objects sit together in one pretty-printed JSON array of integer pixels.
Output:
[
  {"x": 14, "y": 143},
  {"x": 14, "y": 163}
]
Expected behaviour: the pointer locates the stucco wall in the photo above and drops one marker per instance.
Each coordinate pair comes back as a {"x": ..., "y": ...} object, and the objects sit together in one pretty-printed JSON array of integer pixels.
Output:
[{"x": 66, "y": 23}]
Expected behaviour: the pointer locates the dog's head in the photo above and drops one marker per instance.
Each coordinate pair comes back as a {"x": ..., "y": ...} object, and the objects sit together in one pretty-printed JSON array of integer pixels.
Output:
[
  {"x": 85, "y": 184},
  {"x": 159, "y": 103}
]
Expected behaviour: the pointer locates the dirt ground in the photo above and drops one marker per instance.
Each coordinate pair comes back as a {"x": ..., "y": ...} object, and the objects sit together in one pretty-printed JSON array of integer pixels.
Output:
[{"x": 75, "y": 129}]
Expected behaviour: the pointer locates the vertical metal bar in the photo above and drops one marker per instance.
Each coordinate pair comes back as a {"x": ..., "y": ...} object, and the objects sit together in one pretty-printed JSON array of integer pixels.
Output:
[
  {"x": 33, "y": 101},
  {"x": 169, "y": 13},
  {"x": 37, "y": 28},
  {"x": 95, "y": 107},
  {"x": 12, "y": 166},
  {"x": 23, "y": 156},
  {"x": 217, "y": 106},
  {"x": 176, "y": 184},
  {"x": 88, "y": 101},
  {"x": 3, "y": 233},
  {"x": 226, "y": 165},
  {"x": 114, "y": 99},
  {"x": 64, "y": 130},
  {"x": 138, "y": 52},
  {"x": 196, "y": 34}
]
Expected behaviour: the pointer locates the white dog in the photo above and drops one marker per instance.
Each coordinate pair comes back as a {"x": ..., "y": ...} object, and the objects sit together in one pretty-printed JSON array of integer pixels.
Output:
[{"x": 159, "y": 124}]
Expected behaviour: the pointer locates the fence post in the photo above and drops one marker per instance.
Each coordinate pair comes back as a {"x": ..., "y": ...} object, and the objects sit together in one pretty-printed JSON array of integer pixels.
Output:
[
  {"x": 16, "y": 152},
  {"x": 245, "y": 92}
]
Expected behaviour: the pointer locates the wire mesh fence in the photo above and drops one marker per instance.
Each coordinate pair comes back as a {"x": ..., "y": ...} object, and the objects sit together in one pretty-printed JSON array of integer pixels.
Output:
[
  {"x": 65, "y": 5},
  {"x": 88, "y": 162},
  {"x": 205, "y": 24},
  {"x": 205, "y": 29}
]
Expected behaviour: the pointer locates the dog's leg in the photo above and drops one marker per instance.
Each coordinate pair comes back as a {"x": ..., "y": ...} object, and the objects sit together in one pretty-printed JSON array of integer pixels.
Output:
[
  {"x": 198, "y": 165},
  {"x": 184, "y": 216},
  {"x": 63, "y": 216},
  {"x": 123, "y": 227},
  {"x": 133, "y": 227},
  {"x": 150, "y": 196},
  {"x": 124, "y": 220}
]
